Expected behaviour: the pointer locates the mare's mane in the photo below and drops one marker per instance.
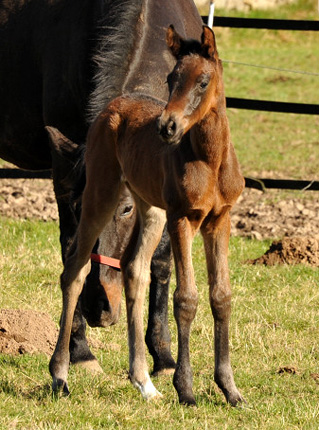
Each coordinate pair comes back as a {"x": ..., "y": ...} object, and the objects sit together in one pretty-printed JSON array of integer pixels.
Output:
[{"x": 115, "y": 34}]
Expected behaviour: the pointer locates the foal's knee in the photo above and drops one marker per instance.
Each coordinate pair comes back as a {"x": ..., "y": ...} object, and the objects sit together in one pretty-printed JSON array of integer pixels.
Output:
[
  {"x": 134, "y": 274},
  {"x": 220, "y": 302},
  {"x": 185, "y": 305}
]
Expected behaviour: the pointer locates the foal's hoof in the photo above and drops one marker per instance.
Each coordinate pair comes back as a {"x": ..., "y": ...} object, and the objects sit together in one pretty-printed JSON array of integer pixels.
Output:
[
  {"x": 60, "y": 386},
  {"x": 236, "y": 400},
  {"x": 147, "y": 389},
  {"x": 187, "y": 400}
]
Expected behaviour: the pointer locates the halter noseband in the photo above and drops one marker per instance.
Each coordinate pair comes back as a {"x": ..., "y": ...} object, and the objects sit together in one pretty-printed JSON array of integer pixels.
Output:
[{"x": 107, "y": 261}]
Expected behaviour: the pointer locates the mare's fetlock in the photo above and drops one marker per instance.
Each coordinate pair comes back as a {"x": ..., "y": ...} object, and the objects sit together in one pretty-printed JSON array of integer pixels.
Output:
[{"x": 164, "y": 366}]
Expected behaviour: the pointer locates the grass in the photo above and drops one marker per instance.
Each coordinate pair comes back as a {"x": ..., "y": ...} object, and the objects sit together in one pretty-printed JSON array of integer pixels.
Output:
[
  {"x": 275, "y": 309},
  {"x": 274, "y": 325}
]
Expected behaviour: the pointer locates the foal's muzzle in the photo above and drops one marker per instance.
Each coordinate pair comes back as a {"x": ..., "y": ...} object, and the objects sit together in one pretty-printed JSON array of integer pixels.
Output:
[{"x": 169, "y": 130}]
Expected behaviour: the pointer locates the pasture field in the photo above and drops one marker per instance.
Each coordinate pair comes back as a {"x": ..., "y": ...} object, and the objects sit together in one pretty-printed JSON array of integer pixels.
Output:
[
  {"x": 274, "y": 348},
  {"x": 275, "y": 316}
]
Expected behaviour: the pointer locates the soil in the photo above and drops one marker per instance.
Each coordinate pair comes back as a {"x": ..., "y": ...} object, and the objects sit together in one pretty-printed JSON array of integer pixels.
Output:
[
  {"x": 293, "y": 219},
  {"x": 21, "y": 331},
  {"x": 291, "y": 250}
]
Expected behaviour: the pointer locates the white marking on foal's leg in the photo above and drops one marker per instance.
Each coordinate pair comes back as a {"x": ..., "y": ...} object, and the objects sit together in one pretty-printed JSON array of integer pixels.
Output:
[{"x": 147, "y": 388}]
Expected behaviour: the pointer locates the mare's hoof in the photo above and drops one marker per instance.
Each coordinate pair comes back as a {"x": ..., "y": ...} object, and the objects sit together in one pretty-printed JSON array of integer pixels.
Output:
[
  {"x": 90, "y": 365},
  {"x": 60, "y": 386},
  {"x": 163, "y": 372}
]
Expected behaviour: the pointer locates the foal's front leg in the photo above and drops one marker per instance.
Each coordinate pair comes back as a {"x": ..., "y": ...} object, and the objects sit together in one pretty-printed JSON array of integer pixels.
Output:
[
  {"x": 216, "y": 238},
  {"x": 136, "y": 264},
  {"x": 96, "y": 212},
  {"x": 72, "y": 280},
  {"x": 185, "y": 303}
]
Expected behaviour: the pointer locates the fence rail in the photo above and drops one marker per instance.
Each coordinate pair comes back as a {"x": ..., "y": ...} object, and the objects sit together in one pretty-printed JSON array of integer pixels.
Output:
[
  {"x": 272, "y": 106},
  {"x": 269, "y": 24},
  {"x": 258, "y": 183},
  {"x": 6, "y": 173},
  {"x": 238, "y": 103}
]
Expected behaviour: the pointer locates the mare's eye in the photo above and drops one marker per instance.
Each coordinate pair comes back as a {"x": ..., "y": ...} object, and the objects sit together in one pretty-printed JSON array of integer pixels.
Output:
[{"x": 127, "y": 210}]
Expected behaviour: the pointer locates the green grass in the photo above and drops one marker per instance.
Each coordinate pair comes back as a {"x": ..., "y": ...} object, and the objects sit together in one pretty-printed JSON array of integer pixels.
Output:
[{"x": 274, "y": 325}]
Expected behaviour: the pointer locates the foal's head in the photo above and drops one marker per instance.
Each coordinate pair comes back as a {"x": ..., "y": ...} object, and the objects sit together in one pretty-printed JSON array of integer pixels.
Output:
[{"x": 195, "y": 84}]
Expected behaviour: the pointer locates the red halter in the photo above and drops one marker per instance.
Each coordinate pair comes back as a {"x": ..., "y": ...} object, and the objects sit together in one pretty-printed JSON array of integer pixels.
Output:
[{"x": 107, "y": 261}]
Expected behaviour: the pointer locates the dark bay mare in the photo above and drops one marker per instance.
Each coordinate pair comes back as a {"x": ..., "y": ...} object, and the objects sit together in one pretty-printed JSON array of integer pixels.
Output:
[
  {"x": 180, "y": 166},
  {"x": 61, "y": 62}
]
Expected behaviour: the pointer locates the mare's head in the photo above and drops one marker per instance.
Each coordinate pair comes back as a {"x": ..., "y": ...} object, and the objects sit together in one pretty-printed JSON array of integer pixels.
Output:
[
  {"x": 102, "y": 292},
  {"x": 195, "y": 84}
]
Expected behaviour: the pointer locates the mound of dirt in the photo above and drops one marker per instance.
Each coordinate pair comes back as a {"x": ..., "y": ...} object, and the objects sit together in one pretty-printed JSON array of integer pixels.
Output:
[
  {"x": 26, "y": 331},
  {"x": 296, "y": 250}
]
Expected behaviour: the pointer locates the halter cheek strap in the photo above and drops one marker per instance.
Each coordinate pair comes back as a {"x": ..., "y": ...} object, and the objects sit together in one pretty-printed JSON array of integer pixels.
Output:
[{"x": 107, "y": 261}]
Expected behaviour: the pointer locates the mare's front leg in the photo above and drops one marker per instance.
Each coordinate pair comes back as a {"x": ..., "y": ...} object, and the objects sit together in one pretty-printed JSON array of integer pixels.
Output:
[
  {"x": 136, "y": 263},
  {"x": 216, "y": 238},
  {"x": 157, "y": 337},
  {"x": 185, "y": 302}
]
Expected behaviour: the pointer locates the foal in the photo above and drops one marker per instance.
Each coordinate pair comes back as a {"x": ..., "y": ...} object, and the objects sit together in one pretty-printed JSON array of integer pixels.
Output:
[{"x": 189, "y": 176}]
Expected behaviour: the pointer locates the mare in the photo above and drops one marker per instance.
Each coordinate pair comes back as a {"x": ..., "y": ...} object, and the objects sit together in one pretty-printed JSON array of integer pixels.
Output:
[
  {"x": 61, "y": 62},
  {"x": 180, "y": 165}
]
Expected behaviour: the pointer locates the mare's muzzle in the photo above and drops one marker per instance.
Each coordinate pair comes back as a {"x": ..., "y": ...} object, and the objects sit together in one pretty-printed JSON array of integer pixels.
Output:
[{"x": 169, "y": 129}]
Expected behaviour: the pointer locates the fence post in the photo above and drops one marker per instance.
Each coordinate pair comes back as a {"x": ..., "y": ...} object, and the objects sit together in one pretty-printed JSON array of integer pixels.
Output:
[{"x": 211, "y": 13}]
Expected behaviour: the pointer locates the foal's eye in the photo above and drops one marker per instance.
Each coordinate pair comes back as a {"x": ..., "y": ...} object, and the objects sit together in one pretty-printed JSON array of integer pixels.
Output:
[{"x": 203, "y": 85}]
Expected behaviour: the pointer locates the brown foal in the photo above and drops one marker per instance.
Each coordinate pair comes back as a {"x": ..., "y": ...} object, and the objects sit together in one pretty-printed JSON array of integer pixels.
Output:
[{"x": 180, "y": 165}]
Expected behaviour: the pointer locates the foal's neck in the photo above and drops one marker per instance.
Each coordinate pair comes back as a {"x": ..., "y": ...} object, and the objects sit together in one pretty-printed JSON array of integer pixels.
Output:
[{"x": 210, "y": 137}]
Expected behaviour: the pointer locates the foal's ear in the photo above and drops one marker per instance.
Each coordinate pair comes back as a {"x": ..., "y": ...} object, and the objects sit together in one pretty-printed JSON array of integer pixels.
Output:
[
  {"x": 209, "y": 49},
  {"x": 174, "y": 41}
]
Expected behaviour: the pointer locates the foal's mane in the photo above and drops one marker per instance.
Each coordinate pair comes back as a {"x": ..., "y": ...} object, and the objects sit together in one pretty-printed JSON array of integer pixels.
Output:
[{"x": 116, "y": 30}]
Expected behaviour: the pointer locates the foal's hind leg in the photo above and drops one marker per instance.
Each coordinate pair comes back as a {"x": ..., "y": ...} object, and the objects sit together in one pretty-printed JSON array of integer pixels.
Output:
[
  {"x": 216, "y": 237},
  {"x": 136, "y": 263}
]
